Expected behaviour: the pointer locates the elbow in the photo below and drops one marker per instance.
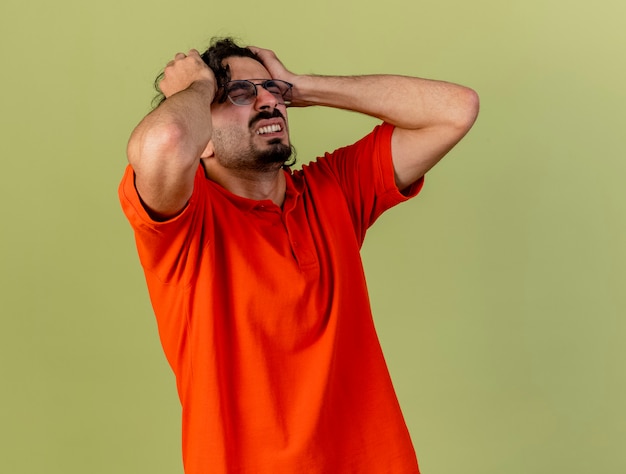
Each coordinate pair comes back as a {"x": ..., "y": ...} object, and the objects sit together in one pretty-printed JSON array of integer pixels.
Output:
[
  {"x": 469, "y": 106},
  {"x": 460, "y": 114},
  {"x": 150, "y": 145}
]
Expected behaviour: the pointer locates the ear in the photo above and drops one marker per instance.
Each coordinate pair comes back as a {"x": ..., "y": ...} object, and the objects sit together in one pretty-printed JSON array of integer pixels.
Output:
[{"x": 209, "y": 150}]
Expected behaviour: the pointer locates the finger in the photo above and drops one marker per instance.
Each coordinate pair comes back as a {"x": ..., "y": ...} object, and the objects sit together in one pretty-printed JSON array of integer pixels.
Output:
[
  {"x": 193, "y": 53},
  {"x": 180, "y": 56},
  {"x": 261, "y": 52}
]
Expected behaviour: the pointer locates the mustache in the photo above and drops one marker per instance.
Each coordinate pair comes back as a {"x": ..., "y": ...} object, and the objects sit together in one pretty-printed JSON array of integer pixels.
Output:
[{"x": 266, "y": 115}]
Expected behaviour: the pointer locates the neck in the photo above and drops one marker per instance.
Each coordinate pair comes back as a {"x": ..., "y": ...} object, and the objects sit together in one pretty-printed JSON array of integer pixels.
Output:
[{"x": 257, "y": 185}]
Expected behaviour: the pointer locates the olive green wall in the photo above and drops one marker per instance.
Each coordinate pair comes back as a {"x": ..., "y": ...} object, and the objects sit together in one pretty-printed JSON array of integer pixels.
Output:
[{"x": 498, "y": 293}]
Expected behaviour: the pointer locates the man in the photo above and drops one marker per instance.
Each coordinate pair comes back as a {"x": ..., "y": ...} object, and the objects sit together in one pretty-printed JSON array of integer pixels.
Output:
[{"x": 254, "y": 270}]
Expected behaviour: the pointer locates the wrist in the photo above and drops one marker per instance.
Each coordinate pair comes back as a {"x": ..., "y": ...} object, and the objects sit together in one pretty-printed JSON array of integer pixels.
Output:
[
  {"x": 303, "y": 91},
  {"x": 206, "y": 87}
]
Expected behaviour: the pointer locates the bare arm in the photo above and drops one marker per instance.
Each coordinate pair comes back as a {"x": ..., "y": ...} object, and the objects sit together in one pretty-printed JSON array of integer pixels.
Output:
[
  {"x": 165, "y": 148},
  {"x": 430, "y": 116}
]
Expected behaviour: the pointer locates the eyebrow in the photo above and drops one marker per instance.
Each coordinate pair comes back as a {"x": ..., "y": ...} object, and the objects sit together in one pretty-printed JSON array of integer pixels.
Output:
[
  {"x": 237, "y": 84},
  {"x": 254, "y": 79}
]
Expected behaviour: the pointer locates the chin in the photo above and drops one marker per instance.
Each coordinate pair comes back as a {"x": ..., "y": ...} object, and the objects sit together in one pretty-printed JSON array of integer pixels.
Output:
[{"x": 275, "y": 153}]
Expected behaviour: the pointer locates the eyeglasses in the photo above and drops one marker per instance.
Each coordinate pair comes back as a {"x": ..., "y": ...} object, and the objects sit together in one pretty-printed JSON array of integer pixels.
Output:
[{"x": 244, "y": 92}]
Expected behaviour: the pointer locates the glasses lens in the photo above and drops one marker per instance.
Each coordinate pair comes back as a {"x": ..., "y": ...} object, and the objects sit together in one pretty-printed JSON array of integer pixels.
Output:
[
  {"x": 241, "y": 92},
  {"x": 279, "y": 89}
]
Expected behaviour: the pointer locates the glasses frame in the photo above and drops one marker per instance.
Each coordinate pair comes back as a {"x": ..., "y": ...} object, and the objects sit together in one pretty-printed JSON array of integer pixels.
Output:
[{"x": 264, "y": 84}]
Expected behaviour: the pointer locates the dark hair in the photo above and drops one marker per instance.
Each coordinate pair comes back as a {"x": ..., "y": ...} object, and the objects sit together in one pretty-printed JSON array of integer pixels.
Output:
[{"x": 219, "y": 50}]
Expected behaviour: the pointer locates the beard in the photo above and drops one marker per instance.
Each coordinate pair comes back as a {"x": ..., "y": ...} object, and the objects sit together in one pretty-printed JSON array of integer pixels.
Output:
[
  {"x": 276, "y": 154},
  {"x": 235, "y": 149},
  {"x": 252, "y": 158}
]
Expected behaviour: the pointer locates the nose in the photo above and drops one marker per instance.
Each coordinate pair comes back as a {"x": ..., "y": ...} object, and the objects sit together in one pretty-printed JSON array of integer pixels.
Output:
[{"x": 265, "y": 99}]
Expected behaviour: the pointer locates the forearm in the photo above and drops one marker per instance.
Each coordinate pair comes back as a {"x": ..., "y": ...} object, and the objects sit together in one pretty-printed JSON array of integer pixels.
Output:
[{"x": 406, "y": 102}]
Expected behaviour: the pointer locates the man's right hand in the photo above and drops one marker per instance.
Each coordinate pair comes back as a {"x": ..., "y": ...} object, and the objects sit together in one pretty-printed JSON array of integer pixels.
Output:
[{"x": 184, "y": 70}]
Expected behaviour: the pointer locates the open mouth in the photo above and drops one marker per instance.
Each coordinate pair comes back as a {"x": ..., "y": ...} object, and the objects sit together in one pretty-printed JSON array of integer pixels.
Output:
[{"x": 274, "y": 128}]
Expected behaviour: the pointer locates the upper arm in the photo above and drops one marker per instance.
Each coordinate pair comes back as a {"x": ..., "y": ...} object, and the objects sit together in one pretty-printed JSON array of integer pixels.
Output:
[
  {"x": 165, "y": 148},
  {"x": 163, "y": 179},
  {"x": 415, "y": 151}
]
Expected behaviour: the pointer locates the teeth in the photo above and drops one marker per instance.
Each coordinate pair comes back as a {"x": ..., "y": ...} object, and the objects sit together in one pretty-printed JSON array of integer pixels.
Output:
[{"x": 269, "y": 129}]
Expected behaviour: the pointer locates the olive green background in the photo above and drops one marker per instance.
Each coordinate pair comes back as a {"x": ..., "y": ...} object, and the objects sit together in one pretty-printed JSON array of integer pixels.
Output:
[{"x": 498, "y": 292}]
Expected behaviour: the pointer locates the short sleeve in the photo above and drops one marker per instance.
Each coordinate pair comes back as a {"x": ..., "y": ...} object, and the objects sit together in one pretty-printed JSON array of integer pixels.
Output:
[
  {"x": 365, "y": 174},
  {"x": 164, "y": 247}
]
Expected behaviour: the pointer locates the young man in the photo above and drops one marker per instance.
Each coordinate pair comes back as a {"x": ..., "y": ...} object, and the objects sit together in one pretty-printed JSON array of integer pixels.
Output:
[{"x": 254, "y": 270}]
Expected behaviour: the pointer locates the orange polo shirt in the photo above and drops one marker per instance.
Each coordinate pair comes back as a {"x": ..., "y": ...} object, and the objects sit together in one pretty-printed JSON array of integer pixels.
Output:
[{"x": 264, "y": 317}]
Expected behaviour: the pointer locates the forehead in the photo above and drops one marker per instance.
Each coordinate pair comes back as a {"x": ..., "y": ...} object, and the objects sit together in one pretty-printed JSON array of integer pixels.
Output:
[{"x": 246, "y": 68}]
